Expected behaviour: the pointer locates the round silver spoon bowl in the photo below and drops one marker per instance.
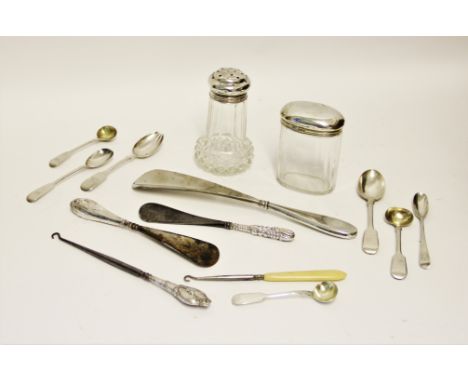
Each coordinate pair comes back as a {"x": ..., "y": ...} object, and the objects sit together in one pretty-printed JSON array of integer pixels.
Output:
[
  {"x": 147, "y": 146},
  {"x": 99, "y": 158}
]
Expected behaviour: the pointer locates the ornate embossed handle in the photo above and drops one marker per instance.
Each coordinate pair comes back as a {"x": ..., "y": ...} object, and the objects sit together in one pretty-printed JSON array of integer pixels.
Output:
[{"x": 276, "y": 233}]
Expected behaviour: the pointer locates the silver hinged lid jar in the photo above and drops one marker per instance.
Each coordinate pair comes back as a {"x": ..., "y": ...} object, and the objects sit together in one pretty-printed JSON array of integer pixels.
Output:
[{"x": 309, "y": 147}]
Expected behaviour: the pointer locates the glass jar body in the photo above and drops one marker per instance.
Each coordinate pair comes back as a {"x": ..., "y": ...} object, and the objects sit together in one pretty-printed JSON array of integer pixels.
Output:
[
  {"x": 225, "y": 148},
  {"x": 308, "y": 162}
]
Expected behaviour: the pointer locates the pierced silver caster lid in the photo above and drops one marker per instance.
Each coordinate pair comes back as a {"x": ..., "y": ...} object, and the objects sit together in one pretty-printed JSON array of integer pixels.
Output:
[
  {"x": 312, "y": 118},
  {"x": 229, "y": 85}
]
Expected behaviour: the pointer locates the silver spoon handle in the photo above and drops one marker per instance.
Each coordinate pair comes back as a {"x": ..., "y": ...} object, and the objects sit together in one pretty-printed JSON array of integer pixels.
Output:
[
  {"x": 41, "y": 191},
  {"x": 97, "y": 179},
  {"x": 424, "y": 259},
  {"x": 252, "y": 298},
  {"x": 59, "y": 159},
  {"x": 398, "y": 267},
  {"x": 276, "y": 233},
  {"x": 370, "y": 239}
]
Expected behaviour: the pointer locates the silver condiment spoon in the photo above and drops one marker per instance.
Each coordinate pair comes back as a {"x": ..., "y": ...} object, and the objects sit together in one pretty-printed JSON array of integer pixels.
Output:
[
  {"x": 399, "y": 218},
  {"x": 324, "y": 292},
  {"x": 95, "y": 160}
]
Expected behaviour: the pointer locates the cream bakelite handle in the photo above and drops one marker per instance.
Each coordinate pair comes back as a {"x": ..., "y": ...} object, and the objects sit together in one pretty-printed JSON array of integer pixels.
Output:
[{"x": 319, "y": 275}]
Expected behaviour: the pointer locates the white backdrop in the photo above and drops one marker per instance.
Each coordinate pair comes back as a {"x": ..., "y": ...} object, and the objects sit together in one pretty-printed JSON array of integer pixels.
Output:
[{"x": 404, "y": 100}]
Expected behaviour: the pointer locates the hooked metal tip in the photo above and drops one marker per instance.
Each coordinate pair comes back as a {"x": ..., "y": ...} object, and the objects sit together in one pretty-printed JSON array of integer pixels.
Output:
[
  {"x": 188, "y": 278},
  {"x": 55, "y": 234}
]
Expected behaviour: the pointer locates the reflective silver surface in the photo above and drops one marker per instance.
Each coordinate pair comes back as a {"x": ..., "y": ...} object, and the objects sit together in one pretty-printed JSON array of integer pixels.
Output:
[
  {"x": 371, "y": 187},
  {"x": 104, "y": 134},
  {"x": 169, "y": 180},
  {"x": 312, "y": 118},
  {"x": 229, "y": 85},
  {"x": 95, "y": 160},
  {"x": 420, "y": 210},
  {"x": 185, "y": 294},
  {"x": 144, "y": 148}
]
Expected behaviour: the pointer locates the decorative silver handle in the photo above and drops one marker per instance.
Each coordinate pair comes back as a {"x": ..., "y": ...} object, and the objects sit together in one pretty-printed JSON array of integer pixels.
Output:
[
  {"x": 185, "y": 294},
  {"x": 276, "y": 233}
]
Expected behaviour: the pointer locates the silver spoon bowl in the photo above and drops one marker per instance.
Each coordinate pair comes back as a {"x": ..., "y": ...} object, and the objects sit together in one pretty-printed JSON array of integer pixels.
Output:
[
  {"x": 95, "y": 160},
  {"x": 104, "y": 134},
  {"x": 324, "y": 292},
  {"x": 371, "y": 187}
]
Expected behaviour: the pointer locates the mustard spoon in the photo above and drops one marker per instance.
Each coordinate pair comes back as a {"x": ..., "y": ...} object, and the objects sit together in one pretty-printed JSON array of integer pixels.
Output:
[
  {"x": 324, "y": 292},
  {"x": 399, "y": 218}
]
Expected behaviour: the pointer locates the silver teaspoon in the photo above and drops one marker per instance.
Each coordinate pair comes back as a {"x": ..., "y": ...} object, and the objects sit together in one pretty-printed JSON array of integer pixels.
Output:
[
  {"x": 95, "y": 160},
  {"x": 371, "y": 187},
  {"x": 420, "y": 209},
  {"x": 324, "y": 292},
  {"x": 104, "y": 134},
  {"x": 144, "y": 148}
]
